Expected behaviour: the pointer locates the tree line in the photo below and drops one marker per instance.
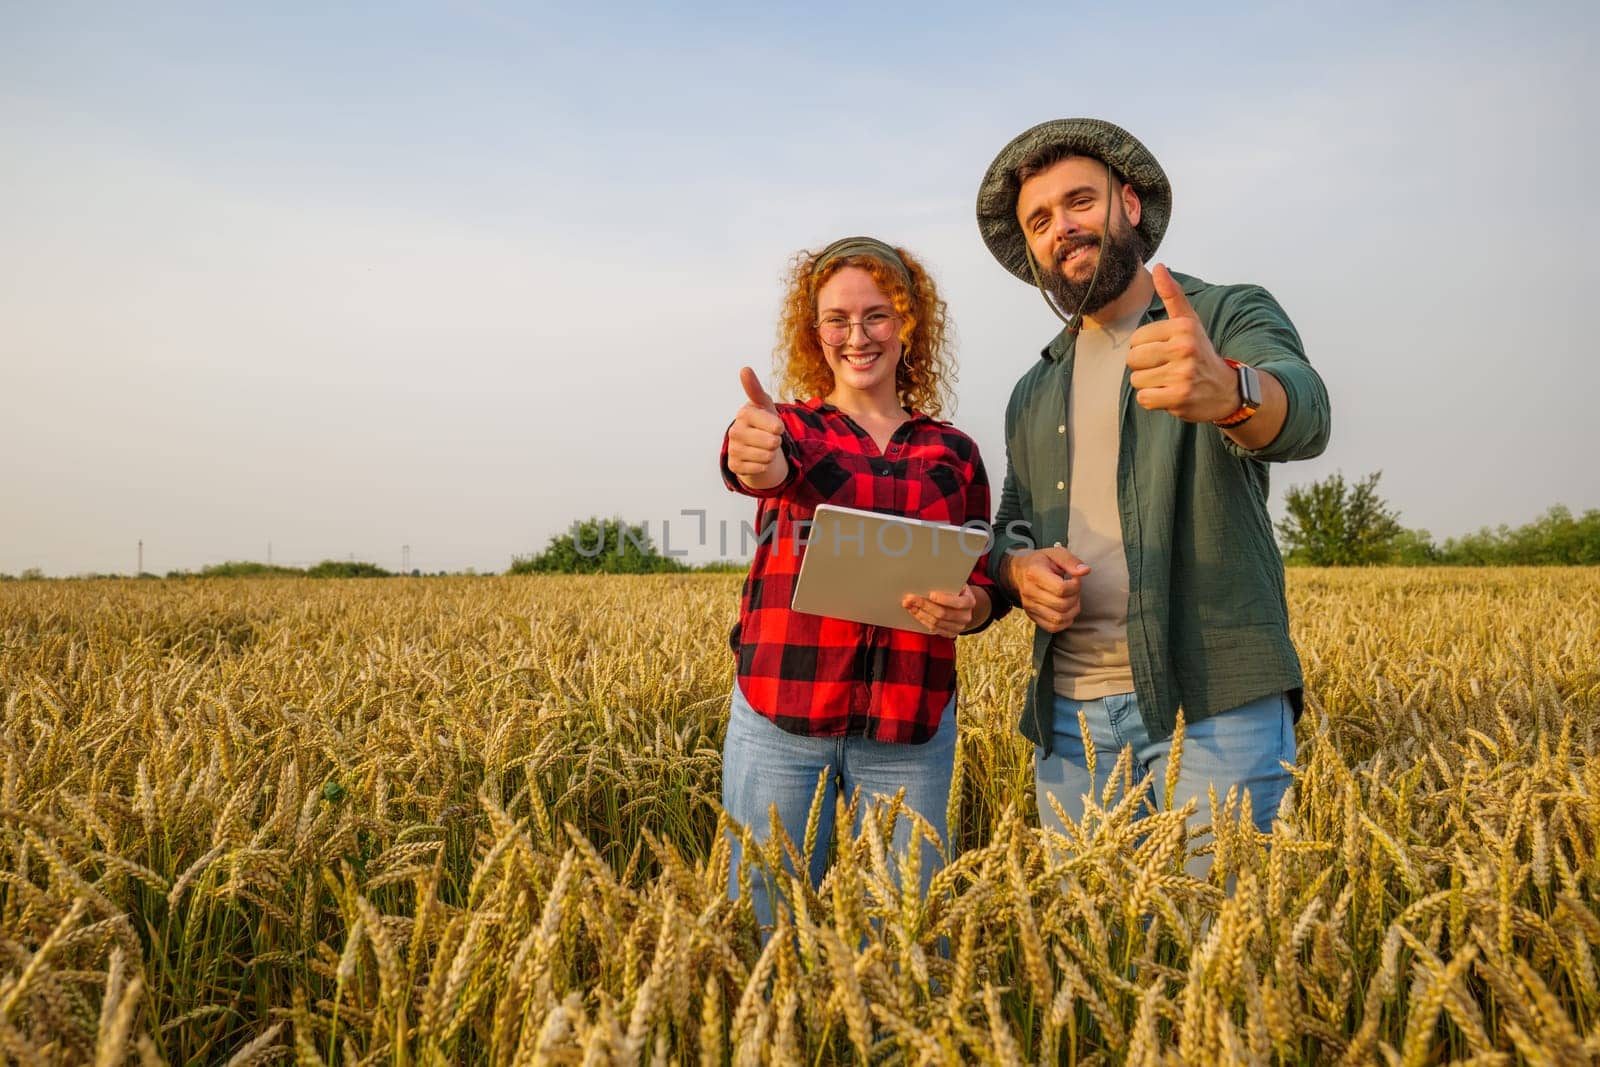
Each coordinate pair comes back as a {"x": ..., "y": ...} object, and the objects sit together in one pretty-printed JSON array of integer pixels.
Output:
[
  {"x": 1329, "y": 523},
  {"x": 1334, "y": 523},
  {"x": 609, "y": 546},
  {"x": 328, "y": 568}
]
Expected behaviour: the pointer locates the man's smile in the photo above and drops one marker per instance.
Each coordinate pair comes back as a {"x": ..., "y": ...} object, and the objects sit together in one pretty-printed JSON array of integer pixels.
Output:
[{"x": 1077, "y": 252}]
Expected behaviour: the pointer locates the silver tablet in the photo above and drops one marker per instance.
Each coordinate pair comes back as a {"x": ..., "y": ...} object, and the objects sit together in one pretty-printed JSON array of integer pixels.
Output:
[{"x": 858, "y": 564}]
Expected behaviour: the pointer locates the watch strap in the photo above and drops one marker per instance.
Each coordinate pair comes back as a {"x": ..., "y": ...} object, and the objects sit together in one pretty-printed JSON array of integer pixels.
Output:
[{"x": 1243, "y": 413}]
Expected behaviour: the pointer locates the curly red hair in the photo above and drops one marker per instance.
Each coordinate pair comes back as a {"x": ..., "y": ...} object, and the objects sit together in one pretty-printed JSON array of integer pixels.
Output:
[{"x": 925, "y": 375}]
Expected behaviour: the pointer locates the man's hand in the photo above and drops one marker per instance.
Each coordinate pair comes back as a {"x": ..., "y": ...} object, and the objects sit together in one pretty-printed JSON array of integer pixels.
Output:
[
  {"x": 1046, "y": 582},
  {"x": 755, "y": 440},
  {"x": 1175, "y": 368},
  {"x": 948, "y": 614}
]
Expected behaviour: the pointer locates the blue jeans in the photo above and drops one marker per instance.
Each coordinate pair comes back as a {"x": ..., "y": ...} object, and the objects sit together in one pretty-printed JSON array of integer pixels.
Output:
[
  {"x": 763, "y": 766},
  {"x": 1243, "y": 746}
]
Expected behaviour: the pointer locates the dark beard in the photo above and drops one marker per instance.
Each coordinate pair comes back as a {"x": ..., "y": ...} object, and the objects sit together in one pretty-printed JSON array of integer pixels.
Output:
[{"x": 1119, "y": 265}]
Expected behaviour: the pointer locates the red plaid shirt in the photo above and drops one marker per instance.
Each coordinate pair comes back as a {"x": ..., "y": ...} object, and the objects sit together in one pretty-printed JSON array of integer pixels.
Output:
[{"x": 821, "y": 676}]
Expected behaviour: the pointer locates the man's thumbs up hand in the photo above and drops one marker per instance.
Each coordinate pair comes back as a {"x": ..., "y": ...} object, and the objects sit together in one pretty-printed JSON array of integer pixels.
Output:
[
  {"x": 755, "y": 440},
  {"x": 1171, "y": 294},
  {"x": 1175, "y": 368}
]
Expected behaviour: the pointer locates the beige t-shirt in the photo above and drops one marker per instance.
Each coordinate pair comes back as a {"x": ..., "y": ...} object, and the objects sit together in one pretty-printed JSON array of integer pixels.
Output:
[{"x": 1091, "y": 655}]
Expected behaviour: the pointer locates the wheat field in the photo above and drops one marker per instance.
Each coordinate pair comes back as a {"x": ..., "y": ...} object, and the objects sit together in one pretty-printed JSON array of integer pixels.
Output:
[{"x": 476, "y": 821}]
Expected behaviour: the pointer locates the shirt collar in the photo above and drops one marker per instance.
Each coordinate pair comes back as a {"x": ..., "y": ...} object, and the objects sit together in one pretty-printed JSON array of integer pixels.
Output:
[{"x": 818, "y": 404}]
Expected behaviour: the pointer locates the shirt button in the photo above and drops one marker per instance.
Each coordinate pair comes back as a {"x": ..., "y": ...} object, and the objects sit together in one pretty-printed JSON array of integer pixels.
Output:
[
  {"x": 1061, "y": 485},
  {"x": 1062, "y": 428}
]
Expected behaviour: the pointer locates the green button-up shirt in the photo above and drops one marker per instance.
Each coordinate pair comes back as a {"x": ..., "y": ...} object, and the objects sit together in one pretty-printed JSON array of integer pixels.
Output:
[{"x": 1208, "y": 622}]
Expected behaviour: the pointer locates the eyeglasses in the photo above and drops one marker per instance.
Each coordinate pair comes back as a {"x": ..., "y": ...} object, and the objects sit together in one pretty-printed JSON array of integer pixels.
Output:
[{"x": 878, "y": 326}]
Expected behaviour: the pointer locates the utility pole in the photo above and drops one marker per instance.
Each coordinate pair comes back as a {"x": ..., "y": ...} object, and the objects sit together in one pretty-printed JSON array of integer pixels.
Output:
[
  {"x": 405, "y": 559},
  {"x": 141, "y": 559}
]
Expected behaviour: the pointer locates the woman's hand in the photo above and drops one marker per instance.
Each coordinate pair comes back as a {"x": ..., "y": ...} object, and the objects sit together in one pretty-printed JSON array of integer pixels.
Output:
[
  {"x": 949, "y": 614},
  {"x": 755, "y": 440}
]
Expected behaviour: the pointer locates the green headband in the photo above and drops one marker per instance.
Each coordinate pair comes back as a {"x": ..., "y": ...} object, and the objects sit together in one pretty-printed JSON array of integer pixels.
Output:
[{"x": 861, "y": 246}]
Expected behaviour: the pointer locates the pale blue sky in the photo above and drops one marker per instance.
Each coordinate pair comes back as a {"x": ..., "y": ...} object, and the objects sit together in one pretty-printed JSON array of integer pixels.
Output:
[{"x": 450, "y": 275}]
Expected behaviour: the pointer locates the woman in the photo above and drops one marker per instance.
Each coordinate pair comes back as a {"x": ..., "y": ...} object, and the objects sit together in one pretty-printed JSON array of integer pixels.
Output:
[{"x": 863, "y": 337}]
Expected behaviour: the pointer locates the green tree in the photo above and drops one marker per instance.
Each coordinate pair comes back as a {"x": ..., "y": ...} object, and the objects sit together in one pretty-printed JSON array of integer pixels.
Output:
[
  {"x": 340, "y": 568},
  {"x": 244, "y": 568},
  {"x": 1332, "y": 524},
  {"x": 598, "y": 546},
  {"x": 1415, "y": 548},
  {"x": 1555, "y": 538}
]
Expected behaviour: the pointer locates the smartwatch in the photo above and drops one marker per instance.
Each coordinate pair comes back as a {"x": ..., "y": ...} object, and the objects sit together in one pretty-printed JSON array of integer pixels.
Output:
[{"x": 1249, "y": 395}]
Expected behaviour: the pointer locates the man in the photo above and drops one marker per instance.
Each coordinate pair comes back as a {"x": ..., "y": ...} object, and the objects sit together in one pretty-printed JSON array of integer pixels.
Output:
[{"x": 1133, "y": 526}]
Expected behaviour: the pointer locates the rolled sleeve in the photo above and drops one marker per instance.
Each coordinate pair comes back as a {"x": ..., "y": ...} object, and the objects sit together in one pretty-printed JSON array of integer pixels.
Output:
[
  {"x": 1307, "y": 424},
  {"x": 1254, "y": 329}
]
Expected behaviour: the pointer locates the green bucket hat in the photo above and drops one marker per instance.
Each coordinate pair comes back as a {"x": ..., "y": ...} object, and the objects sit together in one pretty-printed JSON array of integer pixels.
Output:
[{"x": 1128, "y": 159}]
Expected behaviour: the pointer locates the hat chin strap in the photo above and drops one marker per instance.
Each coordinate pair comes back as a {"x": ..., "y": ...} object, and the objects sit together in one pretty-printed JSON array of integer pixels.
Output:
[{"x": 1075, "y": 323}]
